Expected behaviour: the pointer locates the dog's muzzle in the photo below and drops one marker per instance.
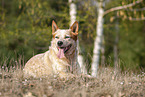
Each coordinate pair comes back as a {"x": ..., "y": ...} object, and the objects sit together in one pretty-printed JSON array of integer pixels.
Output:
[{"x": 62, "y": 50}]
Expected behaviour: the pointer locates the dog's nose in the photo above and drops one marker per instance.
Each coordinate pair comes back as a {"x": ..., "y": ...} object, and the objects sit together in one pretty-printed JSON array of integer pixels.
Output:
[{"x": 59, "y": 43}]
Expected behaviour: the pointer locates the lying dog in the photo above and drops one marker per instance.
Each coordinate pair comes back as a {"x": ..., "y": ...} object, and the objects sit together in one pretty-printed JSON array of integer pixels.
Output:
[{"x": 61, "y": 59}]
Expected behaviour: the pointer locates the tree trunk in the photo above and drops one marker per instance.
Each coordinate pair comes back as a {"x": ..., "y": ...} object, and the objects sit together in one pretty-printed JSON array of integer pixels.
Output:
[
  {"x": 81, "y": 60},
  {"x": 73, "y": 12},
  {"x": 116, "y": 45},
  {"x": 98, "y": 40}
]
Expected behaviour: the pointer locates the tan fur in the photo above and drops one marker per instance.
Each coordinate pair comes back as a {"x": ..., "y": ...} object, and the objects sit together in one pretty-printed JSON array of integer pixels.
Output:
[{"x": 48, "y": 63}]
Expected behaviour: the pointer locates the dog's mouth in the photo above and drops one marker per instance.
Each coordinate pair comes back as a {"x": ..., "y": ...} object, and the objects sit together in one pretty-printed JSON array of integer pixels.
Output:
[{"x": 63, "y": 50}]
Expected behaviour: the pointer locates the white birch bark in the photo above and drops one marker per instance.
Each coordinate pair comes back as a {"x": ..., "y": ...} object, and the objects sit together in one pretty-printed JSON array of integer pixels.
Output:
[
  {"x": 73, "y": 12},
  {"x": 98, "y": 40}
]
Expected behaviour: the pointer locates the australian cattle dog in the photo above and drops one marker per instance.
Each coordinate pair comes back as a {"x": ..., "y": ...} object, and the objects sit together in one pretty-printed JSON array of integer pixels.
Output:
[{"x": 60, "y": 59}]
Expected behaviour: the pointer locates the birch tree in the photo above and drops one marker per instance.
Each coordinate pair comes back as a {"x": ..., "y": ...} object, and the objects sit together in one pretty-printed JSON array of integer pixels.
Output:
[
  {"x": 73, "y": 12},
  {"x": 98, "y": 39},
  {"x": 115, "y": 48},
  {"x": 99, "y": 32}
]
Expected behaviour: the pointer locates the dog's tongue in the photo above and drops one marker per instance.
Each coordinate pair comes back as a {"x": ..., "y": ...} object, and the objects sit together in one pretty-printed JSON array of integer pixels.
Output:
[{"x": 60, "y": 53}]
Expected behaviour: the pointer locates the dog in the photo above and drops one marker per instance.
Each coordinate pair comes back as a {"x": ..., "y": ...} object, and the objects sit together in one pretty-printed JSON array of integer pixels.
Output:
[{"x": 60, "y": 59}]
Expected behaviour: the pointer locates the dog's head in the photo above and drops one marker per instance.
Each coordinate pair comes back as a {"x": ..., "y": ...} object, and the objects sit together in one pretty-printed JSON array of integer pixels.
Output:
[{"x": 65, "y": 39}]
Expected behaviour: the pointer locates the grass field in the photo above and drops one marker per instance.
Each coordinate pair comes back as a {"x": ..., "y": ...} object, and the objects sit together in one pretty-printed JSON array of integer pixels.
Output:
[{"x": 108, "y": 84}]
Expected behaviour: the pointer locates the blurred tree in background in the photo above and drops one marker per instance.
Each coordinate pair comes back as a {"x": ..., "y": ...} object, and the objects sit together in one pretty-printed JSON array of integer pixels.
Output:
[{"x": 25, "y": 30}]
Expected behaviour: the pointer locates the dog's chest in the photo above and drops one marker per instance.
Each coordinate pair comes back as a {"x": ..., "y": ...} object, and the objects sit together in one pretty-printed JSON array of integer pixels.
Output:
[{"x": 59, "y": 66}]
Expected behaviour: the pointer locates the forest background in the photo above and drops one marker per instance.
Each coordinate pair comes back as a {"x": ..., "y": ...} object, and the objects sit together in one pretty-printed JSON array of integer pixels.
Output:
[{"x": 25, "y": 30}]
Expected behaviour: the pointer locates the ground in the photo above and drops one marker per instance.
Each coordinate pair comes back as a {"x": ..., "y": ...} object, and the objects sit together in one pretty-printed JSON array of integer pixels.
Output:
[{"x": 107, "y": 84}]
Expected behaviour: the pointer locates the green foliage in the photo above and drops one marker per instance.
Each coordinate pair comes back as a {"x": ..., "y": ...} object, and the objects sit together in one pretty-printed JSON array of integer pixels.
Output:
[
  {"x": 132, "y": 44},
  {"x": 26, "y": 26}
]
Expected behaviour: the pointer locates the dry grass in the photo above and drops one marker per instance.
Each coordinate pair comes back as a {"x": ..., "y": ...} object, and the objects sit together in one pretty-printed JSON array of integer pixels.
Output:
[{"x": 108, "y": 84}]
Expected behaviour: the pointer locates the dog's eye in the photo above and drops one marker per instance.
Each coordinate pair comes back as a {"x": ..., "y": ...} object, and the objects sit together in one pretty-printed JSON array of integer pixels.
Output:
[
  {"x": 56, "y": 37},
  {"x": 67, "y": 36}
]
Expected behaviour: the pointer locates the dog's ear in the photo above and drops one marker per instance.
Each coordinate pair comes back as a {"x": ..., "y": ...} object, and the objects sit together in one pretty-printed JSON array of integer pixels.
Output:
[
  {"x": 54, "y": 26},
  {"x": 74, "y": 28}
]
